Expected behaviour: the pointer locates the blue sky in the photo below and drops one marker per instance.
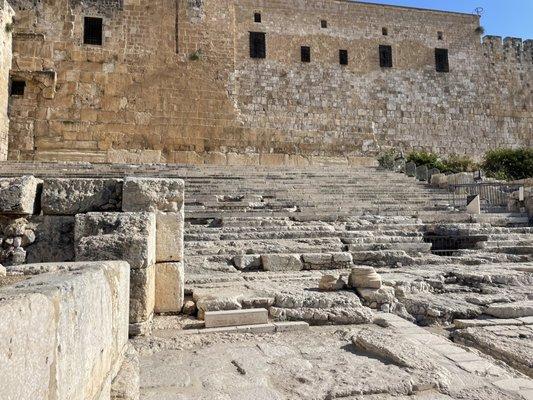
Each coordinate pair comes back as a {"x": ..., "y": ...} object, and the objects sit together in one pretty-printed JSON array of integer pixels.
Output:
[{"x": 500, "y": 17}]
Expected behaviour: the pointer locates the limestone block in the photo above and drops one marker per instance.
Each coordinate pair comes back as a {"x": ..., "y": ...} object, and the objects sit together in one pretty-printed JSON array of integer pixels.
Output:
[
  {"x": 153, "y": 194},
  {"x": 281, "y": 262},
  {"x": 169, "y": 285},
  {"x": 364, "y": 278},
  {"x": 142, "y": 294},
  {"x": 273, "y": 159},
  {"x": 383, "y": 295},
  {"x": 331, "y": 283},
  {"x": 54, "y": 239},
  {"x": 421, "y": 173},
  {"x": 116, "y": 236},
  {"x": 71, "y": 196},
  {"x": 206, "y": 300},
  {"x": 215, "y": 158},
  {"x": 169, "y": 236},
  {"x": 19, "y": 196},
  {"x": 255, "y": 316},
  {"x": 244, "y": 262},
  {"x": 242, "y": 159},
  {"x": 511, "y": 310},
  {"x": 439, "y": 180},
  {"x": 59, "y": 347}
]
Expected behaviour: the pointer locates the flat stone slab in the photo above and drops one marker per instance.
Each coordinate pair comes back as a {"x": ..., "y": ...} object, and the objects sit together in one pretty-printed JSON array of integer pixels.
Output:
[
  {"x": 153, "y": 194},
  {"x": 217, "y": 319},
  {"x": 511, "y": 310}
]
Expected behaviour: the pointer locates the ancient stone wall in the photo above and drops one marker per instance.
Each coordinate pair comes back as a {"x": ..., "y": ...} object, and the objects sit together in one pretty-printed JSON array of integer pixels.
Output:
[
  {"x": 6, "y": 26},
  {"x": 174, "y": 82},
  {"x": 138, "y": 220}
]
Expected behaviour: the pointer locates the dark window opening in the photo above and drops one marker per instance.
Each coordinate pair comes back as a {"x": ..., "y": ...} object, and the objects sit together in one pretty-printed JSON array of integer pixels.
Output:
[
  {"x": 17, "y": 88},
  {"x": 384, "y": 31},
  {"x": 385, "y": 56},
  {"x": 93, "y": 31},
  {"x": 306, "y": 54},
  {"x": 440, "y": 35},
  {"x": 257, "y": 17},
  {"x": 324, "y": 23},
  {"x": 257, "y": 45},
  {"x": 343, "y": 57},
  {"x": 441, "y": 60}
]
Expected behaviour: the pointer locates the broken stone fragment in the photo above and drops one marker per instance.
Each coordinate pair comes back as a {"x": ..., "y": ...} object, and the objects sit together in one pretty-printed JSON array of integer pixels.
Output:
[
  {"x": 3, "y": 271},
  {"x": 364, "y": 278},
  {"x": 153, "y": 194},
  {"x": 331, "y": 283},
  {"x": 19, "y": 196},
  {"x": 189, "y": 308},
  {"x": 245, "y": 262},
  {"x": 383, "y": 295},
  {"x": 125, "y": 385},
  {"x": 281, "y": 262}
]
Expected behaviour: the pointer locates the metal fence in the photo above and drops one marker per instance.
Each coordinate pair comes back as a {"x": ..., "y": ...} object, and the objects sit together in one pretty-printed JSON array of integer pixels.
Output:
[{"x": 494, "y": 197}]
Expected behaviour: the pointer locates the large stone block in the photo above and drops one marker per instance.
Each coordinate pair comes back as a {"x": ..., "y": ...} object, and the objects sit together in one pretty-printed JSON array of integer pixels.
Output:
[
  {"x": 71, "y": 196},
  {"x": 152, "y": 194},
  {"x": 54, "y": 345},
  {"x": 142, "y": 294},
  {"x": 281, "y": 262},
  {"x": 19, "y": 196},
  {"x": 116, "y": 236},
  {"x": 169, "y": 287},
  {"x": 169, "y": 236}
]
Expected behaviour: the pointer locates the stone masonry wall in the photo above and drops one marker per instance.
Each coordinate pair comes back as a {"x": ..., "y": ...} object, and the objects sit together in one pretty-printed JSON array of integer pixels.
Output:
[
  {"x": 6, "y": 16},
  {"x": 173, "y": 82},
  {"x": 138, "y": 220}
]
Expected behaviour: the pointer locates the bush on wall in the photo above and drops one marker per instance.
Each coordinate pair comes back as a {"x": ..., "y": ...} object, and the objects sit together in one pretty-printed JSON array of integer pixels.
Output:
[{"x": 509, "y": 164}]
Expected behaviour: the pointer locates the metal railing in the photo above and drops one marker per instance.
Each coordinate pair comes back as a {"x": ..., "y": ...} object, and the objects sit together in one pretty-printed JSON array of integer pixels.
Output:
[{"x": 494, "y": 196}]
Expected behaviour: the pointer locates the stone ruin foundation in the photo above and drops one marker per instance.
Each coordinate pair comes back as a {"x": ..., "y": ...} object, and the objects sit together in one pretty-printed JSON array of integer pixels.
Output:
[{"x": 180, "y": 282}]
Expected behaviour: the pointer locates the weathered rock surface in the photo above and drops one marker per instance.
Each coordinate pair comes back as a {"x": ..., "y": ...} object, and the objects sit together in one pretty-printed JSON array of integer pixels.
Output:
[
  {"x": 116, "y": 236},
  {"x": 169, "y": 236},
  {"x": 152, "y": 194},
  {"x": 281, "y": 262},
  {"x": 18, "y": 196},
  {"x": 331, "y": 283},
  {"x": 511, "y": 310},
  {"x": 71, "y": 196},
  {"x": 126, "y": 385},
  {"x": 142, "y": 294},
  {"x": 63, "y": 333}
]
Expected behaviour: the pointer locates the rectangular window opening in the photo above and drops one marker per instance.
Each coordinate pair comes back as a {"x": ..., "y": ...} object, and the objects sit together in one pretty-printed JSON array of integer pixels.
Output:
[
  {"x": 385, "y": 56},
  {"x": 306, "y": 54},
  {"x": 343, "y": 57},
  {"x": 93, "y": 31},
  {"x": 324, "y": 23},
  {"x": 17, "y": 88},
  {"x": 257, "y": 45},
  {"x": 441, "y": 60},
  {"x": 257, "y": 18},
  {"x": 384, "y": 31}
]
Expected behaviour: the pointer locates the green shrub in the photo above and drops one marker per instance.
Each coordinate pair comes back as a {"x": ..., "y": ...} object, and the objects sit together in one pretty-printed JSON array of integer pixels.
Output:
[
  {"x": 509, "y": 164},
  {"x": 428, "y": 159},
  {"x": 455, "y": 164},
  {"x": 387, "y": 158}
]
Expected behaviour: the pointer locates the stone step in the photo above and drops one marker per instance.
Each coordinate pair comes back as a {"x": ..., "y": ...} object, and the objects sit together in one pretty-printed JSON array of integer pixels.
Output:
[{"x": 217, "y": 319}]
